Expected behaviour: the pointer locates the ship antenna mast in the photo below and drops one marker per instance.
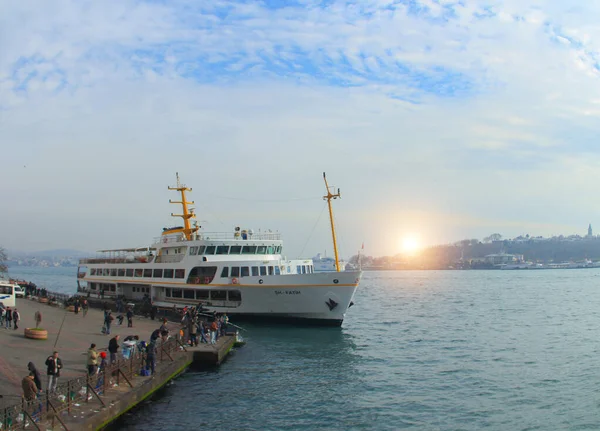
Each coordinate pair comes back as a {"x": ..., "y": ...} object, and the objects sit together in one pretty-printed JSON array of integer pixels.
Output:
[
  {"x": 328, "y": 198},
  {"x": 187, "y": 213}
]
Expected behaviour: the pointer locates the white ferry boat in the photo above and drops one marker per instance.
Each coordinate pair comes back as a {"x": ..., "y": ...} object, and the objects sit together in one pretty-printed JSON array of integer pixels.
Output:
[
  {"x": 242, "y": 273},
  {"x": 326, "y": 264}
]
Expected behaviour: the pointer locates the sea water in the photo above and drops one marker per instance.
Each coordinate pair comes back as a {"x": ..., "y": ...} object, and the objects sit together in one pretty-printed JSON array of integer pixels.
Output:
[{"x": 423, "y": 350}]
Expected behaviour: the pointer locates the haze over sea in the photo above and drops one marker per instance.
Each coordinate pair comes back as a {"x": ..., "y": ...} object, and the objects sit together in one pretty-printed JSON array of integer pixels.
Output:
[{"x": 427, "y": 350}]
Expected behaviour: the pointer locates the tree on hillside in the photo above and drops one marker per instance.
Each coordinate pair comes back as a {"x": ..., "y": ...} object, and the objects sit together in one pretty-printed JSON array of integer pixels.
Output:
[
  {"x": 493, "y": 237},
  {"x": 3, "y": 259}
]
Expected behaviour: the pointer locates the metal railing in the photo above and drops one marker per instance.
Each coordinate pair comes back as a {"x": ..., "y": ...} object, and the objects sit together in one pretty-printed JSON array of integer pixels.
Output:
[
  {"x": 127, "y": 260},
  {"x": 219, "y": 236},
  {"x": 53, "y": 408}
]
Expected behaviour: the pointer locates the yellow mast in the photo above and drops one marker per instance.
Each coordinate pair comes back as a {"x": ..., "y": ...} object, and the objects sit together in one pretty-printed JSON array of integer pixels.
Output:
[
  {"x": 187, "y": 214},
  {"x": 328, "y": 199}
]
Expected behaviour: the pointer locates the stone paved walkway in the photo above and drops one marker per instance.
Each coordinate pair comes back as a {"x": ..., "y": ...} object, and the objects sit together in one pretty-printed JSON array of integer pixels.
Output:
[{"x": 75, "y": 338}]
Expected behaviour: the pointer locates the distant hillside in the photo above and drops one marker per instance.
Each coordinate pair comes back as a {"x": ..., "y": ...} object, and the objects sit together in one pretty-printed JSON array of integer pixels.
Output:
[
  {"x": 60, "y": 252},
  {"x": 468, "y": 253}
]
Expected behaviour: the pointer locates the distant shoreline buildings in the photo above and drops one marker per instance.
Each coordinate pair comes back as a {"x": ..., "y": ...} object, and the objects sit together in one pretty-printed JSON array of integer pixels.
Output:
[{"x": 495, "y": 252}]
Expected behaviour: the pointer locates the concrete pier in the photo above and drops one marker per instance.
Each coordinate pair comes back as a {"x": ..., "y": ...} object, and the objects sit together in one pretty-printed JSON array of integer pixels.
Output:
[{"x": 75, "y": 337}]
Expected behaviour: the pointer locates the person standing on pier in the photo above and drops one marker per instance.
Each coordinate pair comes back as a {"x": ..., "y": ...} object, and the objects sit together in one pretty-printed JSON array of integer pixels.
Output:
[
  {"x": 151, "y": 357},
  {"x": 54, "y": 365},
  {"x": 84, "y": 307},
  {"x": 108, "y": 321},
  {"x": 36, "y": 375},
  {"x": 192, "y": 331},
  {"x": 2, "y": 315},
  {"x": 30, "y": 390},
  {"x": 129, "y": 317},
  {"x": 16, "y": 318},
  {"x": 8, "y": 318},
  {"x": 113, "y": 348},
  {"x": 92, "y": 360},
  {"x": 76, "y": 306},
  {"x": 164, "y": 331},
  {"x": 214, "y": 330}
]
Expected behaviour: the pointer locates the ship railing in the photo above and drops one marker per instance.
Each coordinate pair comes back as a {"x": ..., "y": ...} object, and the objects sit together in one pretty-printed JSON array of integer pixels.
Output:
[
  {"x": 219, "y": 236},
  {"x": 128, "y": 259}
]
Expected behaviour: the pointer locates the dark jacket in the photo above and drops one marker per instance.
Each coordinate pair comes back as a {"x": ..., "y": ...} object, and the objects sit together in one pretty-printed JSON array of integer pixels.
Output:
[
  {"x": 36, "y": 375},
  {"x": 16, "y": 316},
  {"x": 8, "y": 314},
  {"x": 113, "y": 345},
  {"x": 53, "y": 368}
]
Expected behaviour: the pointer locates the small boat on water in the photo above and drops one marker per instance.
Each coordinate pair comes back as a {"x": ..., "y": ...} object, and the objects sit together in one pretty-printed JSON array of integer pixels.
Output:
[{"x": 242, "y": 273}]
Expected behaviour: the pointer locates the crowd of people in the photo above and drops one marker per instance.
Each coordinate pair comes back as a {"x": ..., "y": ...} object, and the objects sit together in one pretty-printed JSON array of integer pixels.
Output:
[
  {"x": 196, "y": 326},
  {"x": 209, "y": 327},
  {"x": 9, "y": 317}
]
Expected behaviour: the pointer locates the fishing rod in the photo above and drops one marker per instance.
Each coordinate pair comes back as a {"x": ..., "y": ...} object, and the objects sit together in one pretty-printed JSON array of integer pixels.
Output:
[
  {"x": 210, "y": 315},
  {"x": 61, "y": 326}
]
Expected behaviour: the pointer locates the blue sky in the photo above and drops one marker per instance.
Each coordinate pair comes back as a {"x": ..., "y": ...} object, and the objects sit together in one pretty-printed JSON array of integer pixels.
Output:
[{"x": 440, "y": 119}]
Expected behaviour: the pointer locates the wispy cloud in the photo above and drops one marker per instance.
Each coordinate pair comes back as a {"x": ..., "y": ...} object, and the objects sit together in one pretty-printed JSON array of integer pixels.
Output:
[{"x": 435, "y": 102}]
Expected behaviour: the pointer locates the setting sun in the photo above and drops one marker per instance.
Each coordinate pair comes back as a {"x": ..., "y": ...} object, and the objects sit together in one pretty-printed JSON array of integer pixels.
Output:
[{"x": 410, "y": 244}]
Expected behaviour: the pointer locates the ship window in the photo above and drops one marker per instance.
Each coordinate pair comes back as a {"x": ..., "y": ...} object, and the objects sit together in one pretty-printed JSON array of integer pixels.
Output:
[
  {"x": 235, "y": 271},
  {"x": 168, "y": 273},
  {"x": 139, "y": 272},
  {"x": 270, "y": 250},
  {"x": 289, "y": 269},
  {"x": 210, "y": 249},
  {"x": 223, "y": 249},
  {"x": 106, "y": 272},
  {"x": 193, "y": 251},
  {"x": 261, "y": 249},
  {"x": 168, "y": 292},
  {"x": 225, "y": 272},
  {"x": 179, "y": 273},
  {"x": 303, "y": 269},
  {"x": 263, "y": 270},
  {"x": 92, "y": 286},
  {"x": 121, "y": 272},
  {"x": 113, "y": 272},
  {"x": 113, "y": 288},
  {"x": 129, "y": 272},
  {"x": 235, "y": 249},
  {"x": 278, "y": 249},
  {"x": 298, "y": 269},
  {"x": 201, "y": 249},
  {"x": 176, "y": 293},
  {"x": 234, "y": 295},
  {"x": 245, "y": 271},
  {"x": 255, "y": 271},
  {"x": 270, "y": 270},
  {"x": 93, "y": 271},
  {"x": 147, "y": 273},
  {"x": 277, "y": 271},
  {"x": 219, "y": 295},
  {"x": 249, "y": 249},
  {"x": 201, "y": 294},
  {"x": 157, "y": 273},
  {"x": 188, "y": 294}
]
